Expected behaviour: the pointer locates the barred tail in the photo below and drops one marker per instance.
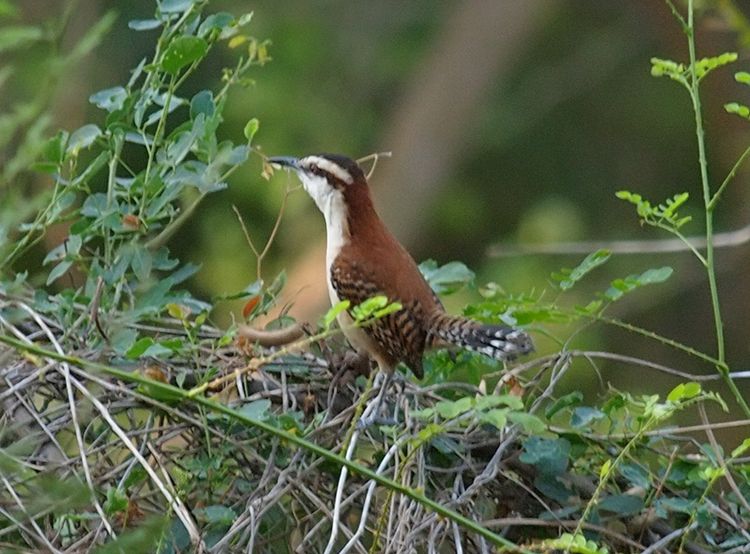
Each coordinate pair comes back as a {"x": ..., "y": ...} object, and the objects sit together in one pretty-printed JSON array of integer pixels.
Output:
[{"x": 496, "y": 341}]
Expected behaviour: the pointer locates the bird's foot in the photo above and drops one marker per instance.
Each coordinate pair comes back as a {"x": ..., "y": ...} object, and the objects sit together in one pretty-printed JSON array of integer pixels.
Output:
[{"x": 368, "y": 421}]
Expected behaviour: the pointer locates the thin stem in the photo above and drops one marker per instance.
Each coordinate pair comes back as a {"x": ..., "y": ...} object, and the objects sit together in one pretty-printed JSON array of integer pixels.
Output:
[
  {"x": 707, "y": 199},
  {"x": 700, "y": 134},
  {"x": 111, "y": 177},
  {"x": 664, "y": 340},
  {"x": 685, "y": 241},
  {"x": 729, "y": 177}
]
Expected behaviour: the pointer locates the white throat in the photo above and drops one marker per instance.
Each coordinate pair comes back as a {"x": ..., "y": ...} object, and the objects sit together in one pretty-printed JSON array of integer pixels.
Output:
[{"x": 331, "y": 202}]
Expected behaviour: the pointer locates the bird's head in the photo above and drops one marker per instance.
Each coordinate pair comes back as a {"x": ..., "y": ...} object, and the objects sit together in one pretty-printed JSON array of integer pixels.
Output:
[{"x": 330, "y": 179}]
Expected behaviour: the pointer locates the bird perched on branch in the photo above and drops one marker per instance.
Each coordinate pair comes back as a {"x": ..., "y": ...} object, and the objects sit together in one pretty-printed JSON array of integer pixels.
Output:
[{"x": 363, "y": 260}]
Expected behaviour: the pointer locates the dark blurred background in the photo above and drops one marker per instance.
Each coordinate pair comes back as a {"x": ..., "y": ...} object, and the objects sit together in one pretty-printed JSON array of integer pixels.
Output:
[{"x": 511, "y": 123}]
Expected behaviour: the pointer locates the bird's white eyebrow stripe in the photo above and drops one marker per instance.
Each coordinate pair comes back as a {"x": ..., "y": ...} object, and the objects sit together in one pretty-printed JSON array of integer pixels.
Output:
[{"x": 330, "y": 167}]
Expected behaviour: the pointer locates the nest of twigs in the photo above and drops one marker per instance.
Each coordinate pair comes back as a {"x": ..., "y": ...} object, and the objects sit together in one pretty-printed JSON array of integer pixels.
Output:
[{"x": 87, "y": 457}]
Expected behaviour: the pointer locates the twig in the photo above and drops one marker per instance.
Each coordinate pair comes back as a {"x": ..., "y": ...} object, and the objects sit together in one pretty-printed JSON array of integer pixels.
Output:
[
  {"x": 336, "y": 518},
  {"x": 368, "y": 498},
  {"x": 272, "y": 337},
  {"x": 726, "y": 239},
  {"x": 375, "y": 157},
  {"x": 260, "y": 255},
  {"x": 666, "y": 539}
]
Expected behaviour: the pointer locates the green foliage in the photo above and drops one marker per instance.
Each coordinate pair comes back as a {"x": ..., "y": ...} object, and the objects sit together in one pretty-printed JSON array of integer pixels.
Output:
[
  {"x": 140, "y": 539},
  {"x": 448, "y": 278},
  {"x": 449, "y": 416},
  {"x": 661, "y": 215},
  {"x": 577, "y": 544},
  {"x": 374, "y": 308},
  {"x": 736, "y": 108},
  {"x": 124, "y": 213},
  {"x": 569, "y": 277},
  {"x": 620, "y": 287},
  {"x": 681, "y": 73}
]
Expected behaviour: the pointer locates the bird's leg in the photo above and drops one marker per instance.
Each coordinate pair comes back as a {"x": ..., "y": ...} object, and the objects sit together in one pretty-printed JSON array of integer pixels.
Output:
[{"x": 371, "y": 414}]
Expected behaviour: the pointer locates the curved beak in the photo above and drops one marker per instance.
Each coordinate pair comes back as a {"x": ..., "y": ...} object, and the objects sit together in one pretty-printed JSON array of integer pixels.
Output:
[{"x": 284, "y": 162}]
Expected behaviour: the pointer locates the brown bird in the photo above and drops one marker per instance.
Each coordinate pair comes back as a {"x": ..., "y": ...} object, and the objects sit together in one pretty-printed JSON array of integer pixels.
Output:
[{"x": 363, "y": 259}]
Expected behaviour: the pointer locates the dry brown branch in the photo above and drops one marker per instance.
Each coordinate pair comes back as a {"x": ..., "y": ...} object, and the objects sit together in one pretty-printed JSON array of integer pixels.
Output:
[{"x": 271, "y": 337}]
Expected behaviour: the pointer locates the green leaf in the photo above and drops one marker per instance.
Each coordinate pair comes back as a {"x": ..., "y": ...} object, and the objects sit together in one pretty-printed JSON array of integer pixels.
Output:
[
  {"x": 449, "y": 409},
  {"x": 498, "y": 418},
  {"x": 117, "y": 501},
  {"x": 223, "y": 22},
  {"x": 423, "y": 414},
  {"x": 621, "y": 504},
  {"x": 109, "y": 99},
  {"x": 585, "y": 415},
  {"x": 144, "y": 24},
  {"x": 202, "y": 103},
  {"x": 569, "y": 277},
  {"x": 738, "y": 109},
  {"x": 576, "y": 544},
  {"x": 684, "y": 391},
  {"x": 253, "y": 289},
  {"x": 54, "y": 148},
  {"x": 183, "y": 51},
  {"x": 374, "y": 307},
  {"x": 548, "y": 456},
  {"x": 59, "y": 270},
  {"x": 742, "y": 77},
  {"x": 83, "y": 138},
  {"x": 258, "y": 409},
  {"x": 620, "y": 287},
  {"x": 141, "y": 262},
  {"x": 123, "y": 339},
  {"x": 139, "y": 539},
  {"x": 251, "y": 127},
  {"x": 491, "y": 401},
  {"x": 661, "y": 214},
  {"x": 570, "y": 399},
  {"x": 529, "y": 422},
  {"x": 146, "y": 346},
  {"x": 661, "y": 67},
  {"x": 741, "y": 449},
  {"x": 604, "y": 470},
  {"x": 216, "y": 515},
  {"x": 175, "y": 6},
  {"x": 139, "y": 347},
  {"x": 429, "y": 432},
  {"x": 448, "y": 278},
  {"x": 638, "y": 476},
  {"x": 334, "y": 312},
  {"x": 391, "y": 308},
  {"x": 704, "y": 66}
]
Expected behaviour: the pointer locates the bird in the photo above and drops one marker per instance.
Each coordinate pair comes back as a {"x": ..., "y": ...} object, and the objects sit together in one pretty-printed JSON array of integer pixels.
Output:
[{"x": 364, "y": 260}]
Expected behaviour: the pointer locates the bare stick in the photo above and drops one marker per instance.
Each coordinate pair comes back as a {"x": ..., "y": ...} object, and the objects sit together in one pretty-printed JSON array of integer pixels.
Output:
[
  {"x": 375, "y": 157},
  {"x": 727, "y": 239}
]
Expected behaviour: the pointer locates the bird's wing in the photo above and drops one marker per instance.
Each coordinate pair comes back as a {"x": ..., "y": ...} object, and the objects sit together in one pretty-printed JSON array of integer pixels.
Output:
[{"x": 400, "y": 336}]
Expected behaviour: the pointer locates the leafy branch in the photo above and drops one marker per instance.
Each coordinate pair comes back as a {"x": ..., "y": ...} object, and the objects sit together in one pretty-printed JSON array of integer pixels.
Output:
[{"x": 665, "y": 215}]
